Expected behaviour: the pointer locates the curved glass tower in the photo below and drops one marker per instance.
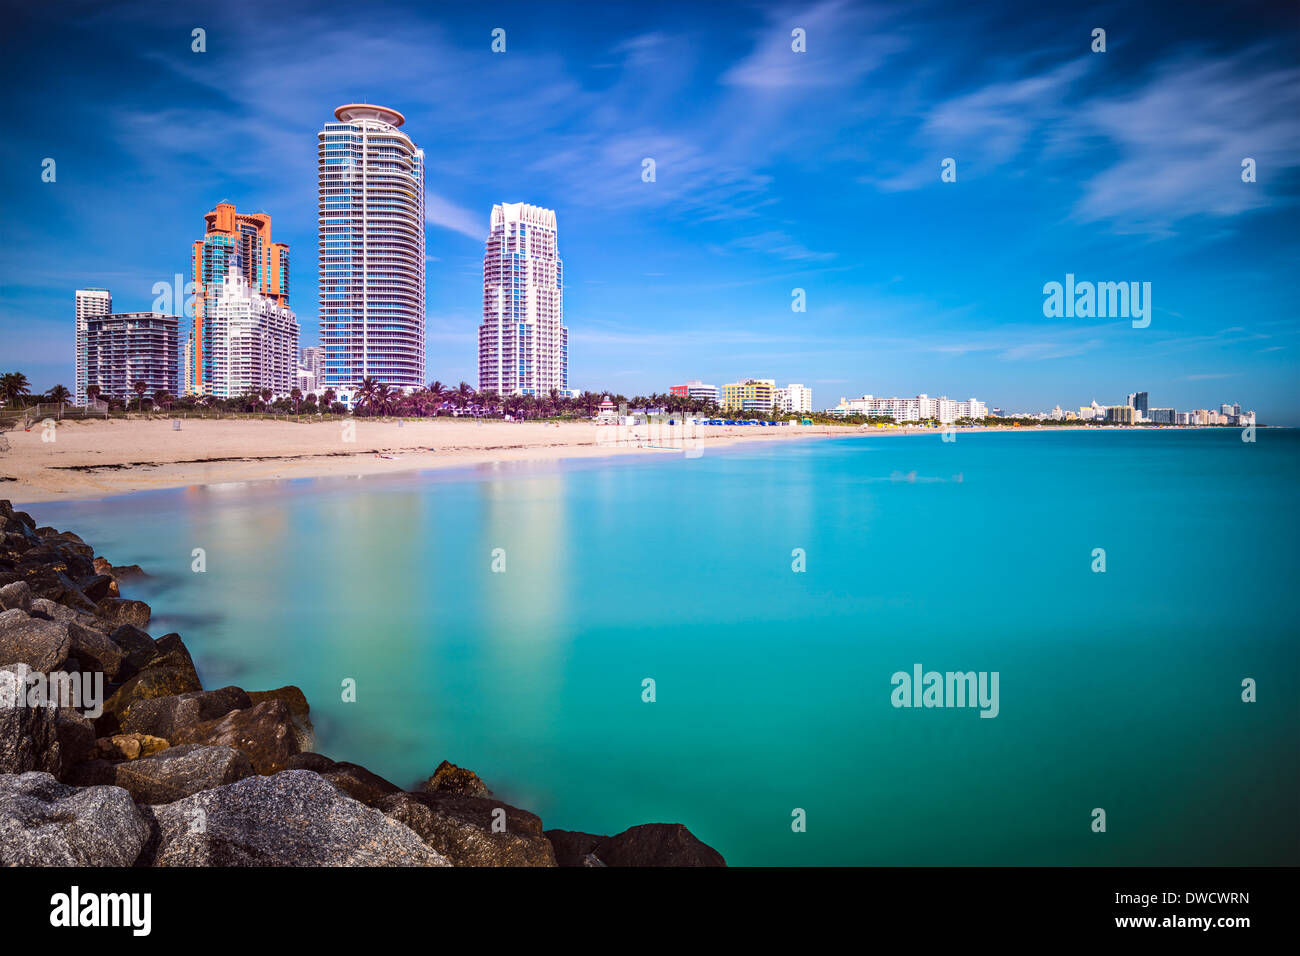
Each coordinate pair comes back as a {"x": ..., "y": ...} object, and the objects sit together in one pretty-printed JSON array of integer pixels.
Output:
[{"x": 371, "y": 226}]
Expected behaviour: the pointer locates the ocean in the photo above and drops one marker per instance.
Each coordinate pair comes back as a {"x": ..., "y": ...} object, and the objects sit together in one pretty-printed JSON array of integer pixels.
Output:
[{"x": 508, "y": 618}]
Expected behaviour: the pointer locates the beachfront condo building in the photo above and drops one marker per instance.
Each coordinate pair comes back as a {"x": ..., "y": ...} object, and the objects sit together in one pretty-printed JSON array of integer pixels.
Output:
[
  {"x": 523, "y": 343},
  {"x": 89, "y": 302},
  {"x": 371, "y": 238},
  {"x": 749, "y": 395},
  {"x": 252, "y": 342},
  {"x": 128, "y": 347},
  {"x": 696, "y": 389},
  {"x": 233, "y": 243},
  {"x": 918, "y": 409},
  {"x": 1121, "y": 414},
  {"x": 794, "y": 399}
]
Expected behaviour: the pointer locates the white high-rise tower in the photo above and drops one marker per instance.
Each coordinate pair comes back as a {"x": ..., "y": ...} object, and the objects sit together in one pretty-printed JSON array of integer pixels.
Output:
[
  {"x": 89, "y": 302},
  {"x": 523, "y": 344},
  {"x": 371, "y": 223}
]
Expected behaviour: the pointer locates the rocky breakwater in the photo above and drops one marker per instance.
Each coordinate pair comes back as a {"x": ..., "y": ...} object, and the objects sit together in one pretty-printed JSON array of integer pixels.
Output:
[{"x": 112, "y": 753}]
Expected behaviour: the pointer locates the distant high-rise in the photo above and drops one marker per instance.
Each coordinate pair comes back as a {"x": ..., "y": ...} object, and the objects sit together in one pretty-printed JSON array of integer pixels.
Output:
[
  {"x": 371, "y": 226},
  {"x": 233, "y": 243},
  {"x": 1140, "y": 402},
  {"x": 252, "y": 342},
  {"x": 128, "y": 347},
  {"x": 523, "y": 344},
  {"x": 90, "y": 302}
]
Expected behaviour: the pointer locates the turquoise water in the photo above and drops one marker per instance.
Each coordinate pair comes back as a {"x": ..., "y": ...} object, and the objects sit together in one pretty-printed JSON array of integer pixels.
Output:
[{"x": 1119, "y": 690}]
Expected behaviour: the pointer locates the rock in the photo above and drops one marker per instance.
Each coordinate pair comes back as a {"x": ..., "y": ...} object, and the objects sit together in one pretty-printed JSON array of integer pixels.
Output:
[
  {"x": 128, "y": 746},
  {"x": 291, "y": 819},
  {"x": 45, "y": 823},
  {"x": 460, "y": 829},
  {"x": 41, "y": 645},
  {"x": 657, "y": 844},
  {"x": 94, "y": 650},
  {"x": 17, "y": 595},
  {"x": 264, "y": 732},
  {"x": 76, "y": 736},
  {"x": 29, "y": 738},
  {"x": 138, "y": 646},
  {"x": 124, "y": 611},
  {"x": 296, "y": 701},
  {"x": 179, "y": 772},
  {"x": 452, "y": 779},
  {"x": 49, "y": 581},
  {"x": 123, "y": 572},
  {"x": 98, "y": 587},
  {"x": 350, "y": 778},
  {"x": 170, "y": 716},
  {"x": 573, "y": 847},
  {"x": 169, "y": 672}
]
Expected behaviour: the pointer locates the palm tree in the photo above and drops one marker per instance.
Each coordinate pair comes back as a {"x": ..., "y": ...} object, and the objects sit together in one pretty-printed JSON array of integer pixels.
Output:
[
  {"x": 58, "y": 394},
  {"x": 365, "y": 393},
  {"x": 383, "y": 398},
  {"x": 162, "y": 397},
  {"x": 295, "y": 396},
  {"x": 437, "y": 395},
  {"x": 14, "y": 387},
  {"x": 265, "y": 395},
  {"x": 92, "y": 394},
  {"x": 491, "y": 400},
  {"x": 464, "y": 394},
  {"x": 140, "y": 386},
  {"x": 326, "y": 400}
]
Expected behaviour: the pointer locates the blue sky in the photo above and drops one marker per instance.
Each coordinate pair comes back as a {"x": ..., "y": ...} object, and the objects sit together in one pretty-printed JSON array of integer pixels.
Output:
[{"x": 775, "y": 171}]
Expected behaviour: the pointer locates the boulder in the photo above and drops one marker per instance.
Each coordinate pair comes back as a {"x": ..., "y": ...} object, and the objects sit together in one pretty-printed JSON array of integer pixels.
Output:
[
  {"x": 128, "y": 746},
  {"x": 449, "y": 778},
  {"x": 41, "y": 645},
  {"x": 350, "y": 778},
  {"x": 94, "y": 650},
  {"x": 170, "y": 716},
  {"x": 17, "y": 595},
  {"x": 138, "y": 647},
  {"x": 124, "y": 611},
  {"x": 97, "y": 587},
  {"x": 45, "y": 823},
  {"x": 296, "y": 701},
  {"x": 76, "y": 736},
  {"x": 264, "y": 732},
  {"x": 572, "y": 848},
  {"x": 49, "y": 581},
  {"x": 168, "y": 672},
  {"x": 657, "y": 844},
  {"x": 291, "y": 819},
  {"x": 29, "y": 738},
  {"x": 179, "y": 772},
  {"x": 460, "y": 829}
]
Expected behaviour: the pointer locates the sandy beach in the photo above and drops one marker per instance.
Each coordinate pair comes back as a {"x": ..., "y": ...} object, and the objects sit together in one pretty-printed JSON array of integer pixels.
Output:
[{"x": 95, "y": 459}]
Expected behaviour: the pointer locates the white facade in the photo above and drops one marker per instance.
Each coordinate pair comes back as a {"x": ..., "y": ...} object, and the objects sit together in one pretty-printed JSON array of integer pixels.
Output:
[
  {"x": 523, "y": 344},
  {"x": 921, "y": 408},
  {"x": 254, "y": 342},
  {"x": 371, "y": 225},
  {"x": 698, "y": 390},
  {"x": 794, "y": 399},
  {"x": 89, "y": 302}
]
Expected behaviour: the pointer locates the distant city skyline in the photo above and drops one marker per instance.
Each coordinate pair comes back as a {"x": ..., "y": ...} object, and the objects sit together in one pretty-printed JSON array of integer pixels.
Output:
[{"x": 1123, "y": 166}]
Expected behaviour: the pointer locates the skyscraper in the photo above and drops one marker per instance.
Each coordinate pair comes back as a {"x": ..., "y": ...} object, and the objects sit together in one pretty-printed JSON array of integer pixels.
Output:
[
  {"x": 232, "y": 243},
  {"x": 127, "y": 347},
  {"x": 523, "y": 344},
  {"x": 90, "y": 302},
  {"x": 371, "y": 226},
  {"x": 252, "y": 342}
]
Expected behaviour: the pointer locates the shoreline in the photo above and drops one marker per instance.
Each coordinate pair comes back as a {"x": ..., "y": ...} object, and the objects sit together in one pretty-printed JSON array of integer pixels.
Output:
[{"x": 90, "y": 460}]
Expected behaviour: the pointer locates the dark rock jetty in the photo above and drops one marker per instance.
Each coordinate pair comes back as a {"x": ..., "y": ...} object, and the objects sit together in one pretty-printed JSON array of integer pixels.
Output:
[{"x": 112, "y": 753}]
